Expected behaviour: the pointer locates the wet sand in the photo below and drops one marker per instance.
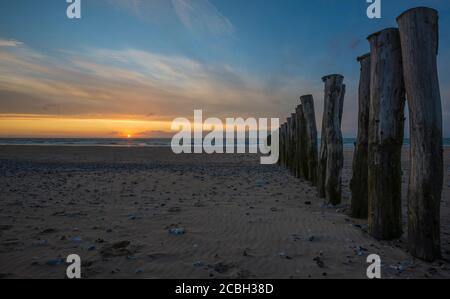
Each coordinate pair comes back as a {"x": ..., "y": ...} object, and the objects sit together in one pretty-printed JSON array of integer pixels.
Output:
[{"x": 147, "y": 213}]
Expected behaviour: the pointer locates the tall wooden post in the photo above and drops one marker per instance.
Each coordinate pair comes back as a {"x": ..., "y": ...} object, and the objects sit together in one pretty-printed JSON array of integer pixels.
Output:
[
  {"x": 294, "y": 145},
  {"x": 358, "y": 183},
  {"x": 289, "y": 144},
  {"x": 281, "y": 141},
  {"x": 331, "y": 152},
  {"x": 386, "y": 122},
  {"x": 301, "y": 149},
  {"x": 311, "y": 154},
  {"x": 298, "y": 142},
  {"x": 419, "y": 34},
  {"x": 285, "y": 145}
]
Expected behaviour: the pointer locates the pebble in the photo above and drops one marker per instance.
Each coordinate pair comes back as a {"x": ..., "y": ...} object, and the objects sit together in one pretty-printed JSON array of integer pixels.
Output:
[
  {"x": 41, "y": 242},
  {"x": 319, "y": 262},
  {"x": 56, "y": 262},
  {"x": 177, "y": 231},
  {"x": 76, "y": 239}
]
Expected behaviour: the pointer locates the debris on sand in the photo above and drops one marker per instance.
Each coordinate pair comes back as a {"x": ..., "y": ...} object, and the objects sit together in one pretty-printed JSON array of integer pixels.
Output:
[
  {"x": 117, "y": 249},
  {"x": 175, "y": 210},
  {"x": 48, "y": 231},
  {"x": 319, "y": 262},
  {"x": 56, "y": 262},
  {"x": 285, "y": 256},
  {"x": 76, "y": 239},
  {"x": 177, "y": 231},
  {"x": 199, "y": 264},
  {"x": 221, "y": 267}
]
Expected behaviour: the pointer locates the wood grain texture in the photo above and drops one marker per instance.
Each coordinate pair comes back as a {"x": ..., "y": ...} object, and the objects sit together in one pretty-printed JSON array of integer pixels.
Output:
[
  {"x": 310, "y": 138},
  {"x": 358, "y": 183},
  {"x": 386, "y": 126},
  {"x": 419, "y": 34},
  {"x": 331, "y": 151}
]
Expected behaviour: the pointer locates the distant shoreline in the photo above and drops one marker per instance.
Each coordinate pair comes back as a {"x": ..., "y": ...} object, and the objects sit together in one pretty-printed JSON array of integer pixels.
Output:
[{"x": 133, "y": 142}]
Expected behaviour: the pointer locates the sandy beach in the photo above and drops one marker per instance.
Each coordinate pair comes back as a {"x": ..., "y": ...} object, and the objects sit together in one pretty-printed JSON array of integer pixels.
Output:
[{"x": 147, "y": 213}]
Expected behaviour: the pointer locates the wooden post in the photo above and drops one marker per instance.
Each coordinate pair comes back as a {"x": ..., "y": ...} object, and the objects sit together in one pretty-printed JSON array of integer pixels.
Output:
[
  {"x": 322, "y": 162},
  {"x": 301, "y": 164},
  {"x": 331, "y": 153},
  {"x": 386, "y": 121},
  {"x": 297, "y": 150},
  {"x": 358, "y": 183},
  {"x": 293, "y": 149},
  {"x": 289, "y": 144},
  {"x": 311, "y": 154},
  {"x": 285, "y": 144},
  {"x": 419, "y": 34},
  {"x": 280, "y": 146}
]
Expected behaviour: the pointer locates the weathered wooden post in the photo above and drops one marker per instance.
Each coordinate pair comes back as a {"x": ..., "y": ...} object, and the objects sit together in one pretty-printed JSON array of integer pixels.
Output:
[
  {"x": 419, "y": 34},
  {"x": 331, "y": 153},
  {"x": 301, "y": 145},
  {"x": 322, "y": 161},
  {"x": 289, "y": 144},
  {"x": 311, "y": 154},
  {"x": 294, "y": 145},
  {"x": 280, "y": 158},
  {"x": 386, "y": 125},
  {"x": 358, "y": 183},
  {"x": 286, "y": 143},
  {"x": 297, "y": 149}
]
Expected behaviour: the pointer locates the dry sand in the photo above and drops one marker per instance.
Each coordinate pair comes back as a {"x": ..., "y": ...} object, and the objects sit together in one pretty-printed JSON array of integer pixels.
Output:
[{"x": 115, "y": 206}]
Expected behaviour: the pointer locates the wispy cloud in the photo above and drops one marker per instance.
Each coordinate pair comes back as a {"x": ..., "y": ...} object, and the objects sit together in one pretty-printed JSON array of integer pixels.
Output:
[
  {"x": 9, "y": 43},
  {"x": 201, "y": 15},
  {"x": 197, "y": 16},
  {"x": 134, "y": 84}
]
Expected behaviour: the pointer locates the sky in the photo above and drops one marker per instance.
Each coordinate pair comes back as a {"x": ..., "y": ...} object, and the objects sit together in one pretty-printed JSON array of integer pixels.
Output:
[{"x": 129, "y": 67}]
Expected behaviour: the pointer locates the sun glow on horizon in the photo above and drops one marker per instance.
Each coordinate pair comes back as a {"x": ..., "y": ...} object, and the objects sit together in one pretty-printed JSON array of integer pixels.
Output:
[{"x": 47, "y": 127}]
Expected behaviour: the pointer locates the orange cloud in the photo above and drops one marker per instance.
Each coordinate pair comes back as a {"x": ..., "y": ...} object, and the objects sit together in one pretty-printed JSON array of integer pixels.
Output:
[{"x": 85, "y": 93}]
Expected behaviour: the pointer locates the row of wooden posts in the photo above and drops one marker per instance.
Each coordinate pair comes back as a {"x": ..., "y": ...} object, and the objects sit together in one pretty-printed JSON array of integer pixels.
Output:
[{"x": 401, "y": 65}]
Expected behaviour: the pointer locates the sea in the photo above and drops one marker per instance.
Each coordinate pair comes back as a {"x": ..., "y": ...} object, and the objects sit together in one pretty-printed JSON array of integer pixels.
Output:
[{"x": 125, "y": 142}]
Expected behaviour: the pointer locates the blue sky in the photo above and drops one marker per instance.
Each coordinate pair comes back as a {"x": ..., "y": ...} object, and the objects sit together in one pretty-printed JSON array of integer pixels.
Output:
[{"x": 155, "y": 60}]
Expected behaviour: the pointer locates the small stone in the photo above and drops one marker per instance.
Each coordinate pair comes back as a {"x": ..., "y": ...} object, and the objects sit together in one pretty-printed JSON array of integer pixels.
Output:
[
  {"x": 174, "y": 210},
  {"x": 319, "y": 262},
  {"x": 56, "y": 262},
  {"x": 76, "y": 239},
  {"x": 177, "y": 231},
  {"x": 48, "y": 231}
]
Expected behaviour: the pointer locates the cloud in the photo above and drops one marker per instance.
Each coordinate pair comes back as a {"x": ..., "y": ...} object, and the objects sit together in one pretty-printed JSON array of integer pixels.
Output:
[
  {"x": 10, "y": 43},
  {"x": 198, "y": 16},
  {"x": 128, "y": 83},
  {"x": 201, "y": 15}
]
